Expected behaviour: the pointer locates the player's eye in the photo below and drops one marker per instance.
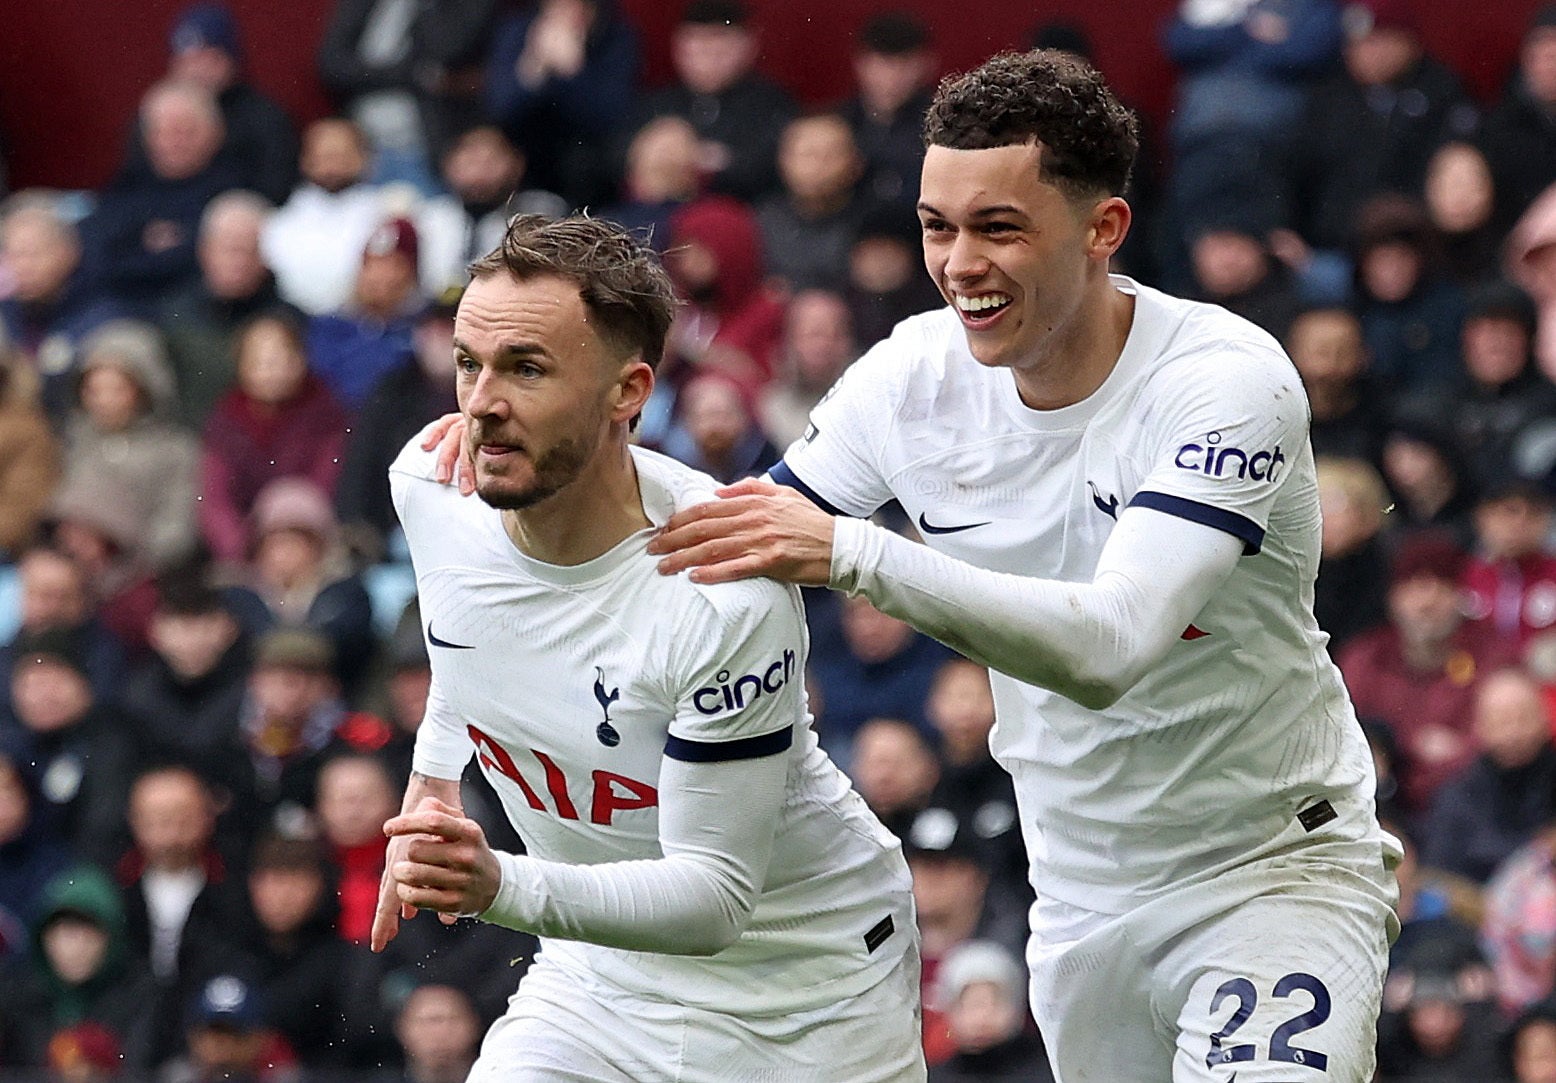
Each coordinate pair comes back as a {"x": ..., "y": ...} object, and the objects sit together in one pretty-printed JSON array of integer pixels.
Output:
[
  {"x": 1000, "y": 227},
  {"x": 528, "y": 370},
  {"x": 936, "y": 225},
  {"x": 466, "y": 366}
]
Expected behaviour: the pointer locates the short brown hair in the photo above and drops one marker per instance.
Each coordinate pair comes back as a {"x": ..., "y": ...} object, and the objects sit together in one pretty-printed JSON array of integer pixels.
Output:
[
  {"x": 1048, "y": 97},
  {"x": 621, "y": 281}
]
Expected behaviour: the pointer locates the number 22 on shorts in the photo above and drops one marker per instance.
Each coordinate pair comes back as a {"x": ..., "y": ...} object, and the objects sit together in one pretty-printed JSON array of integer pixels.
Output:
[{"x": 1247, "y": 996}]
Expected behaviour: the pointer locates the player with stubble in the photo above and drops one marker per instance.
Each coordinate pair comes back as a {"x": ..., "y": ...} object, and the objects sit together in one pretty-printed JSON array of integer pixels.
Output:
[
  {"x": 1117, "y": 496},
  {"x": 713, "y": 899}
]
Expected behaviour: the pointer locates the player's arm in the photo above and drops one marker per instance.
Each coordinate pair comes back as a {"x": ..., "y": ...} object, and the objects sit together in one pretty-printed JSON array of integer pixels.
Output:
[{"x": 721, "y": 790}]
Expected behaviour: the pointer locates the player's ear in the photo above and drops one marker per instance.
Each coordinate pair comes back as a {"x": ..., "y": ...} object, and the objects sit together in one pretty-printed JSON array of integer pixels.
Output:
[
  {"x": 1107, "y": 227},
  {"x": 634, "y": 384}
]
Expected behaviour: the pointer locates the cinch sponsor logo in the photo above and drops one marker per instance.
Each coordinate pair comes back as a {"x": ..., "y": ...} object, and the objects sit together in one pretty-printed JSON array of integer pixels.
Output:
[
  {"x": 733, "y": 695},
  {"x": 1219, "y": 462}
]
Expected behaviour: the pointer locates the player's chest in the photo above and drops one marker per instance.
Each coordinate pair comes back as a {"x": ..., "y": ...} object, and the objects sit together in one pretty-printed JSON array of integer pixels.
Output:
[{"x": 1024, "y": 502}]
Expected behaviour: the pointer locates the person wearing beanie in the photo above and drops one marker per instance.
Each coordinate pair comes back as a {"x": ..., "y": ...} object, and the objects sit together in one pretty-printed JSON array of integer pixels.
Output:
[
  {"x": 1419, "y": 672},
  {"x": 980, "y": 992},
  {"x": 894, "y": 65},
  {"x": 371, "y": 337}
]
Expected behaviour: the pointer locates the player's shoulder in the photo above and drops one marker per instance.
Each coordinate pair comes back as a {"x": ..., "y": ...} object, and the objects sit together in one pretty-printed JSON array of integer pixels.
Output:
[
  {"x": 413, "y": 463},
  {"x": 1203, "y": 347},
  {"x": 919, "y": 344}
]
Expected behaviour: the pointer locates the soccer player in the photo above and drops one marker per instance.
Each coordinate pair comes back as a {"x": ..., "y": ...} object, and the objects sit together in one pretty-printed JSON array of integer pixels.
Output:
[
  {"x": 1119, "y": 504},
  {"x": 714, "y": 901}
]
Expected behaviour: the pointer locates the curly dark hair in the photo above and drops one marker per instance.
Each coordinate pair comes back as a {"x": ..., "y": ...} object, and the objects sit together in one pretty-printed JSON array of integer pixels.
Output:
[
  {"x": 1046, "y": 96},
  {"x": 620, "y": 279}
]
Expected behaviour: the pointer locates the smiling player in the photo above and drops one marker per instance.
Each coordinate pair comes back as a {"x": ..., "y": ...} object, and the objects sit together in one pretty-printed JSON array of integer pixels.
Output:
[{"x": 1118, "y": 499}]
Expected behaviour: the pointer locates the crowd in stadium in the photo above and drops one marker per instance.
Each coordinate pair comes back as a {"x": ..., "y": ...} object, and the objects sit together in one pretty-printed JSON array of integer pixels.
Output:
[{"x": 213, "y": 665}]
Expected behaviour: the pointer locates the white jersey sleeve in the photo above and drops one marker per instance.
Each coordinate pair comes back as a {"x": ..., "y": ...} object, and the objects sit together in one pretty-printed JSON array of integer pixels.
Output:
[
  {"x": 836, "y": 463},
  {"x": 1227, "y": 424},
  {"x": 442, "y": 747}
]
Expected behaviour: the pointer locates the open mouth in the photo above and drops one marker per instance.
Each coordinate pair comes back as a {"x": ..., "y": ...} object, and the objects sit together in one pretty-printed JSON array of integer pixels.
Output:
[{"x": 980, "y": 310}]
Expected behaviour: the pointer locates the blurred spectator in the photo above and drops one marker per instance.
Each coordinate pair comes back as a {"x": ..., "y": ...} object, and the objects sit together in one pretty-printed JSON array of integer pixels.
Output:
[
  {"x": 738, "y": 114},
  {"x": 1519, "y": 930},
  {"x": 893, "y": 68},
  {"x": 83, "y": 971},
  {"x": 1410, "y": 313},
  {"x": 560, "y": 80},
  {"x": 314, "y": 242},
  {"x": 483, "y": 171},
  {"x": 31, "y": 851},
  {"x": 29, "y": 460},
  {"x": 1460, "y": 194},
  {"x": 1421, "y": 466},
  {"x": 1347, "y": 410},
  {"x": 717, "y": 431},
  {"x": 883, "y": 667},
  {"x": 1372, "y": 126},
  {"x": 122, "y": 436},
  {"x": 184, "y": 700},
  {"x": 78, "y": 748},
  {"x": 403, "y": 401},
  {"x": 1497, "y": 802},
  {"x": 1531, "y": 1045},
  {"x": 439, "y": 1034},
  {"x": 818, "y": 344},
  {"x": 886, "y": 280},
  {"x": 980, "y": 992},
  {"x": 56, "y": 596},
  {"x": 976, "y": 789},
  {"x": 97, "y": 524},
  {"x": 84, "y": 1053},
  {"x": 300, "y": 577},
  {"x": 227, "y": 1040},
  {"x": 307, "y": 976},
  {"x": 808, "y": 228},
  {"x": 1510, "y": 581},
  {"x": 1503, "y": 405},
  {"x": 1385, "y": 765},
  {"x": 260, "y": 143},
  {"x": 202, "y": 323},
  {"x": 1418, "y": 673},
  {"x": 355, "y": 798},
  {"x": 1245, "y": 68},
  {"x": 1518, "y": 136},
  {"x": 661, "y": 176},
  {"x": 278, "y": 421},
  {"x": 1439, "y": 1017},
  {"x": 370, "y": 336},
  {"x": 1434, "y": 906},
  {"x": 894, "y": 770},
  {"x": 53, "y": 300},
  {"x": 180, "y": 906},
  {"x": 1233, "y": 267},
  {"x": 141, "y": 238},
  {"x": 1349, "y": 597},
  {"x": 293, "y": 721},
  {"x": 409, "y": 73},
  {"x": 730, "y": 322}
]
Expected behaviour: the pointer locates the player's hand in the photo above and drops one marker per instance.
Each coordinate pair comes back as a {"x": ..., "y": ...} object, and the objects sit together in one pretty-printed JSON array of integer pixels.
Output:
[
  {"x": 755, "y": 529},
  {"x": 386, "y": 918},
  {"x": 455, "y": 461},
  {"x": 446, "y": 864}
]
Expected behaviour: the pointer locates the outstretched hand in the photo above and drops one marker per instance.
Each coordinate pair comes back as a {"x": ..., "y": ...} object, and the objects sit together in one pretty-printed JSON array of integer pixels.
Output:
[
  {"x": 756, "y": 528},
  {"x": 455, "y": 461}
]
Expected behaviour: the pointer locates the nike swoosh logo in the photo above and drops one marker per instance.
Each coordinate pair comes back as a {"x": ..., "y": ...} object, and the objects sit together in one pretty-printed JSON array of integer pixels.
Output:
[
  {"x": 928, "y": 528},
  {"x": 432, "y": 637}
]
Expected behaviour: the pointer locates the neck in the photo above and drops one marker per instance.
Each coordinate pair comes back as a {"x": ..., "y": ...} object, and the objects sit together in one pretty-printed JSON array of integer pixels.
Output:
[
  {"x": 590, "y": 516},
  {"x": 1079, "y": 356}
]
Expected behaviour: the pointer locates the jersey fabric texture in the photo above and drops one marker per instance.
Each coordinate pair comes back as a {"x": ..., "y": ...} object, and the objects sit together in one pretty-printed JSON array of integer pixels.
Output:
[{"x": 572, "y": 685}]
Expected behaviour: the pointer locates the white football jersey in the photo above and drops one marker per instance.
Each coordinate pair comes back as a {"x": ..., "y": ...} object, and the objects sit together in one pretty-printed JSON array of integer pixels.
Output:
[
  {"x": 572, "y": 684},
  {"x": 1245, "y": 723}
]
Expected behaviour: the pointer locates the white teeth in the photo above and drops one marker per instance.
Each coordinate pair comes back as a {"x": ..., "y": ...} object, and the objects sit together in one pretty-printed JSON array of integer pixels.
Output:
[{"x": 981, "y": 302}]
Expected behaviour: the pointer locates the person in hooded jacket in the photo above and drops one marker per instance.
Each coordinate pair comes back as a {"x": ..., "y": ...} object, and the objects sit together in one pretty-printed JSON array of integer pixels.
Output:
[
  {"x": 81, "y": 970},
  {"x": 121, "y": 435},
  {"x": 31, "y": 852}
]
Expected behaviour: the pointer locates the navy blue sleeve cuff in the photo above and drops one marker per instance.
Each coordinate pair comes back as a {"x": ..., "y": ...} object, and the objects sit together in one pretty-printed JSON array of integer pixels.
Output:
[
  {"x": 744, "y": 748},
  {"x": 1249, "y": 532},
  {"x": 783, "y": 475}
]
